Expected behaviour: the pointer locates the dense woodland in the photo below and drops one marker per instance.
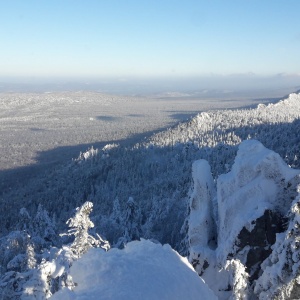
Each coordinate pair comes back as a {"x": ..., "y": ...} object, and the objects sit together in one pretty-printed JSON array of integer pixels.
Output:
[{"x": 138, "y": 191}]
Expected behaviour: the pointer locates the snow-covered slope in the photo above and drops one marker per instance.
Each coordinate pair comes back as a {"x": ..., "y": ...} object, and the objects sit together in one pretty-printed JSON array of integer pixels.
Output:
[{"x": 143, "y": 270}]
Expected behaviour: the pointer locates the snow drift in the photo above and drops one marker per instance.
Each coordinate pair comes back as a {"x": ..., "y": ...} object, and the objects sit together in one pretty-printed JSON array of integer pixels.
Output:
[{"x": 143, "y": 270}]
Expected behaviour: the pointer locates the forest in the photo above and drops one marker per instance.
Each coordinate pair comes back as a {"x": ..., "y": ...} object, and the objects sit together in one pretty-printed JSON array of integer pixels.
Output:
[{"x": 178, "y": 187}]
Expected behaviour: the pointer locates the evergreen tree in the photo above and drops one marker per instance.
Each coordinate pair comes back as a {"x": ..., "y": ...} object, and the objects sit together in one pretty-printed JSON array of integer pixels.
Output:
[
  {"x": 43, "y": 229},
  {"x": 116, "y": 213},
  {"x": 25, "y": 221},
  {"x": 80, "y": 225},
  {"x": 132, "y": 224},
  {"x": 13, "y": 249},
  {"x": 238, "y": 279}
]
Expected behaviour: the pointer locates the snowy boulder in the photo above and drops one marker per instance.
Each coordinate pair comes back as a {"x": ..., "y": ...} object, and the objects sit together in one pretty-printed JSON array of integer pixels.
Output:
[{"x": 142, "y": 270}]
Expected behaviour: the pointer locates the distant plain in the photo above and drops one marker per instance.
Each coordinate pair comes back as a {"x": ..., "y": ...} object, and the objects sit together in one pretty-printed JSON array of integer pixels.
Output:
[{"x": 41, "y": 130}]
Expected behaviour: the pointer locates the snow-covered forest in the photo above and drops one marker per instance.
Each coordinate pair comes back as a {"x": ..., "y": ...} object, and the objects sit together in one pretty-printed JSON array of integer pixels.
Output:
[{"x": 221, "y": 189}]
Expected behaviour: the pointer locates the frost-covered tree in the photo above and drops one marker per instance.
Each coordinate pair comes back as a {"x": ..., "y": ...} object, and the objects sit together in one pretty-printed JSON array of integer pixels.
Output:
[
  {"x": 30, "y": 275},
  {"x": 132, "y": 221},
  {"x": 43, "y": 229},
  {"x": 19, "y": 263},
  {"x": 132, "y": 224},
  {"x": 38, "y": 280},
  {"x": 116, "y": 215},
  {"x": 80, "y": 225},
  {"x": 13, "y": 251},
  {"x": 24, "y": 221},
  {"x": 238, "y": 278}
]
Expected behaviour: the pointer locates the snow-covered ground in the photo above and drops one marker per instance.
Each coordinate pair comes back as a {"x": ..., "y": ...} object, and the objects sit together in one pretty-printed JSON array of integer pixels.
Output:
[
  {"x": 142, "y": 270},
  {"x": 38, "y": 130}
]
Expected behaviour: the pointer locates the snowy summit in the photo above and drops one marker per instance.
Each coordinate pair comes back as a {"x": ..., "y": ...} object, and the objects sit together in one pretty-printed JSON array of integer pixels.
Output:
[{"x": 143, "y": 270}]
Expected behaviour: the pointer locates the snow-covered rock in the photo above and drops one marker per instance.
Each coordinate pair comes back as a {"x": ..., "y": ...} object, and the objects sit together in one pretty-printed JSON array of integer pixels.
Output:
[
  {"x": 142, "y": 270},
  {"x": 260, "y": 181},
  {"x": 251, "y": 210},
  {"x": 202, "y": 226},
  {"x": 280, "y": 278}
]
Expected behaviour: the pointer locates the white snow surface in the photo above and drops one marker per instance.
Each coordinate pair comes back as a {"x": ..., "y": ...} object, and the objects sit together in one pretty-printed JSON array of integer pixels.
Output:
[{"x": 143, "y": 270}]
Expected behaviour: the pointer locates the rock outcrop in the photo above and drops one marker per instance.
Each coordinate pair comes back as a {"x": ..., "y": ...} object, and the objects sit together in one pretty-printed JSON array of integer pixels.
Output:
[{"x": 252, "y": 218}]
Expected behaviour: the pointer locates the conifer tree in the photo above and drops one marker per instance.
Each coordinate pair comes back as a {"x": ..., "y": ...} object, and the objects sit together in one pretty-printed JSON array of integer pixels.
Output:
[
  {"x": 132, "y": 224},
  {"x": 43, "y": 230},
  {"x": 80, "y": 225}
]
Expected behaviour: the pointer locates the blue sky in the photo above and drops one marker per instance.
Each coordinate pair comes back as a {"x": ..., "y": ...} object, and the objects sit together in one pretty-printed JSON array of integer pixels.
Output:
[{"x": 151, "y": 39}]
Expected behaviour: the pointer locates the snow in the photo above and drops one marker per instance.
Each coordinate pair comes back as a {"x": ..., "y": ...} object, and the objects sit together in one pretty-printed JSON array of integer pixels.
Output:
[{"x": 143, "y": 270}]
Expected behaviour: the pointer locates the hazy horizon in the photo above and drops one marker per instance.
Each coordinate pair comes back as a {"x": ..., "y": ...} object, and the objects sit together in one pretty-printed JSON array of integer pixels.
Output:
[
  {"x": 235, "y": 85},
  {"x": 165, "y": 45}
]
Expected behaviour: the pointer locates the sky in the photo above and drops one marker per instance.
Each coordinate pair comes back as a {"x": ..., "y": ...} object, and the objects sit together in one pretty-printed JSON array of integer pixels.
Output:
[{"x": 93, "y": 39}]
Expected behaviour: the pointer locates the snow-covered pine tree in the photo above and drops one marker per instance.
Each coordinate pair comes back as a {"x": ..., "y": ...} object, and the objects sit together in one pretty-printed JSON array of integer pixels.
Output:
[
  {"x": 238, "y": 278},
  {"x": 43, "y": 232},
  {"x": 30, "y": 275},
  {"x": 133, "y": 220},
  {"x": 116, "y": 215},
  {"x": 80, "y": 225},
  {"x": 21, "y": 266},
  {"x": 132, "y": 224},
  {"x": 13, "y": 250},
  {"x": 25, "y": 221}
]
